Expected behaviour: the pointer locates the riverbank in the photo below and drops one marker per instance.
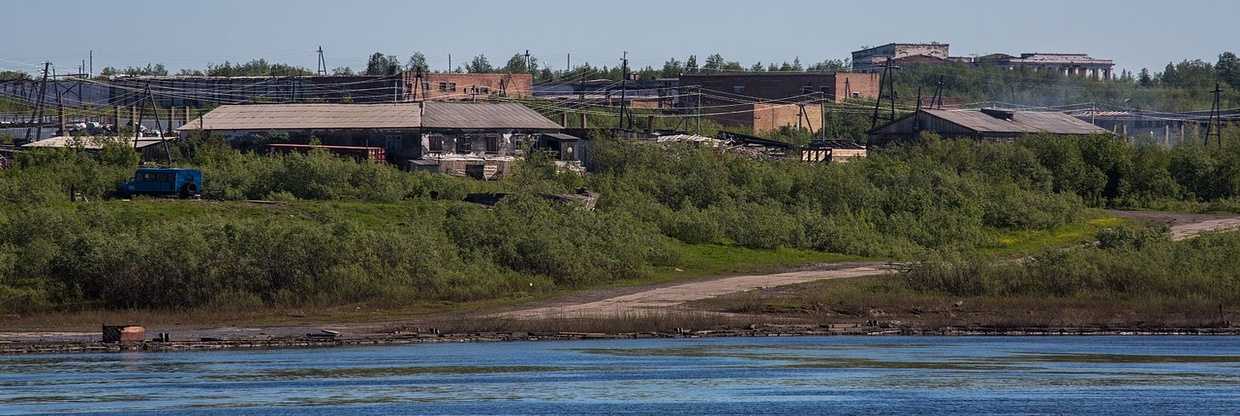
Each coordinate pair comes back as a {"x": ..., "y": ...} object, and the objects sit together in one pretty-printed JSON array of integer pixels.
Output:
[{"x": 767, "y": 330}]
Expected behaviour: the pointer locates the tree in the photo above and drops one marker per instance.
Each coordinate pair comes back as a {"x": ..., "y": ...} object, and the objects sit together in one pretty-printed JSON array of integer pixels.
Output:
[
  {"x": 1228, "y": 69},
  {"x": 479, "y": 65},
  {"x": 518, "y": 65},
  {"x": 828, "y": 65},
  {"x": 150, "y": 70},
  {"x": 417, "y": 61},
  {"x": 672, "y": 68},
  {"x": 343, "y": 70},
  {"x": 714, "y": 63},
  {"x": 691, "y": 64},
  {"x": 13, "y": 75},
  {"x": 256, "y": 67},
  {"x": 1144, "y": 79},
  {"x": 757, "y": 67},
  {"x": 1169, "y": 76},
  {"x": 796, "y": 65},
  {"x": 380, "y": 64}
]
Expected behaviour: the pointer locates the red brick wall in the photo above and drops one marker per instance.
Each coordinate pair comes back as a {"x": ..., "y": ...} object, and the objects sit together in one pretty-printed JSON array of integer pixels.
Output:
[
  {"x": 466, "y": 86},
  {"x": 856, "y": 85}
]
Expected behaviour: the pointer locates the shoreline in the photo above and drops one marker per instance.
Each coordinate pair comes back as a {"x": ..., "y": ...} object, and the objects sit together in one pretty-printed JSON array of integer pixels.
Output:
[{"x": 72, "y": 347}]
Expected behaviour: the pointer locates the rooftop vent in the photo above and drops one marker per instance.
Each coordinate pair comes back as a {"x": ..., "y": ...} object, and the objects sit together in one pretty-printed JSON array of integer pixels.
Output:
[{"x": 999, "y": 114}]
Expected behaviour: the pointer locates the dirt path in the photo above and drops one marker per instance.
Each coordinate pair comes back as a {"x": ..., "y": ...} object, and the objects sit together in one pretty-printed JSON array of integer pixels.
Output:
[
  {"x": 1183, "y": 226},
  {"x": 662, "y": 298}
]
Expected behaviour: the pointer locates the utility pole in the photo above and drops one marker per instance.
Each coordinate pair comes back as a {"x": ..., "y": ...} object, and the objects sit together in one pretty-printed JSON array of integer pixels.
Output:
[
  {"x": 886, "y": 90},
  {"x": 322, "y": 62},
  {"x": 449, "y": 63},
  {"x": 937, "y": 102},
  {"x": 699, "y": 109},
  {"x": 36, "y": 115},
  {"x": 92, "y": 64},
  {"x": 624, "y": 86},
  {"x": 917, "y": 120},
  {"x": 1215, "y": 125}
]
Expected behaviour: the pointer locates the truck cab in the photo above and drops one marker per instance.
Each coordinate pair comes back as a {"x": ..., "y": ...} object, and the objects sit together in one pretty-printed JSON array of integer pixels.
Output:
[{"x": 184, "y": 183}]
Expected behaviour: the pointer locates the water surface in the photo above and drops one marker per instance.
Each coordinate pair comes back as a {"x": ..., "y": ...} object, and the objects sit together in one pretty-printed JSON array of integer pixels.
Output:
[{"x": 794, "y": 376}]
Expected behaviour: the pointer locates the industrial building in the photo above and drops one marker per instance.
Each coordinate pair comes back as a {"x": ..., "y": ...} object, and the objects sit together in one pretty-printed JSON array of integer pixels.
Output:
[
  {"x": 988, "y": 124},
  {"x": 453, "y": 86},
  {"x": 1070, "y": 64},
  {"x": 476, "y": 138},
  {"x": 766, "y": 101},
  {"x": 873, "y": 59}
]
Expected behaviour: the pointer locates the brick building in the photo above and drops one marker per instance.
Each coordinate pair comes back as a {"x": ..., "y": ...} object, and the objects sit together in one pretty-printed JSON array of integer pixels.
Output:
[
  {"x": 766, "y": 101},
  {"x": 453, "y": 86}
]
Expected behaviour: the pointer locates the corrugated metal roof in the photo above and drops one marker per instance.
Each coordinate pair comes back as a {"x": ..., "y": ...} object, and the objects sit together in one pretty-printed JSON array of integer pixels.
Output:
[
  {"x": 1024, "y": 122},
  {"x": 309, "y": 116},
  {"x": 458, "y": 115},
  {"x": 437, "y": 115}
]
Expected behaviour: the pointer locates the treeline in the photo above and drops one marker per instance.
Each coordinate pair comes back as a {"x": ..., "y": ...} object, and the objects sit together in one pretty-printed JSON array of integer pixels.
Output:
[
  {"x": 351, "y": 232},
  {"x": 1179, "y": 87}
]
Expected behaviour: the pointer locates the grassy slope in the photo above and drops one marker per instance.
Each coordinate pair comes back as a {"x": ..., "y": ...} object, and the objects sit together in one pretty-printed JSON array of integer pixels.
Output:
[
  {"x": 697, "y": 261},
  {"x": 888, "y": 298}
]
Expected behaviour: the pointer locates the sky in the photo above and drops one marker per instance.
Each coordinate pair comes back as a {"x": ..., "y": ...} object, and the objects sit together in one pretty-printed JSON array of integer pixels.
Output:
[{"x": 182, "y": 34}]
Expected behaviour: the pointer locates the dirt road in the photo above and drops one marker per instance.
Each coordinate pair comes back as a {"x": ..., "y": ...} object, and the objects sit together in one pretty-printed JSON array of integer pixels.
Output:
[
  {"x": 662, "y": 298},
  {"x": 1183, "y": 226}
]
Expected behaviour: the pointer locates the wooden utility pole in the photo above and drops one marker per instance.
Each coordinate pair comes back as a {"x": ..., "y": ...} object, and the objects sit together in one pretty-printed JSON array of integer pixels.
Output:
[
  {"x": 886, "y": 91},
  {"x": 322, "y": 62},
  {"x": 36, "y": 115},
  {"x": 624, "y": 87},
  {"x": 1215, "y": 125}
]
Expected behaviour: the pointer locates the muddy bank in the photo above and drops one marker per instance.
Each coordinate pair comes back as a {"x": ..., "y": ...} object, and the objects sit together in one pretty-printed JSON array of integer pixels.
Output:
[{"x": 426, "y": 338}]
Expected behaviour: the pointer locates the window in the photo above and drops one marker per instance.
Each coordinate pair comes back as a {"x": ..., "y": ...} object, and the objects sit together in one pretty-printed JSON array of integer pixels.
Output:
[
  {"x": 443, "y": 86},
  {"x": 483, "y": 89},
  {"x": 436, "y": 143},
  {"x": 492, "y": 144},
  {"x": 464, "y": 145},
  {"x": 452, "y": 86},
  {"x": 856, "y": 95},
  {"x": 738, "y": 89}
]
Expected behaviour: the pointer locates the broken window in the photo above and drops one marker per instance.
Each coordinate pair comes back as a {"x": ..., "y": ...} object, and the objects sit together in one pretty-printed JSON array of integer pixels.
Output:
[
  {"x": 443, "y": 86},
  {"x": 436, "y": 143},
  {"x": 464, "y": 145}
]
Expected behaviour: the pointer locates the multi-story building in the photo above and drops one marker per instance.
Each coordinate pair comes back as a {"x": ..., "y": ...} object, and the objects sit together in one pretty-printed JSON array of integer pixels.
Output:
[
  {"x": 873, "y": 59},
  {"x": 1071, "y": 64}
]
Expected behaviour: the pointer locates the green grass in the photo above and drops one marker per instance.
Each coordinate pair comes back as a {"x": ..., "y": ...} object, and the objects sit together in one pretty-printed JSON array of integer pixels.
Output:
[
  {"x": 1017, "y": 243},
  {"x": 699, "y": 260}
]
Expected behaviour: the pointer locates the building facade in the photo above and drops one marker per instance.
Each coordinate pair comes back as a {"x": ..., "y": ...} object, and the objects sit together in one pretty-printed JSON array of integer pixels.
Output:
[
  {"x": 768, "y": 101},
  {"x": 873, "y": 59},
  {"x": 1069, "y": 64},
  {"x": 453, "y": 86}
]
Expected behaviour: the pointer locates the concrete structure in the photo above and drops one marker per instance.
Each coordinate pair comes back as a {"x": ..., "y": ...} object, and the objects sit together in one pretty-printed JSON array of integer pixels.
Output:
[
  {"x": 873, "y": 59},
  {"x": 1070, "y": 64},
  {"x": 480, "y": 139},
  {"x": 453, "y": 86},
  {"x": 767, "y": 101},
  {"x": 981, "y": 124}
]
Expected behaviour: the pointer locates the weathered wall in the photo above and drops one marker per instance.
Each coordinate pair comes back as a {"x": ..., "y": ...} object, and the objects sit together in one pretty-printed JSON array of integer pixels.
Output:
[{"x": 466, "y": 86}]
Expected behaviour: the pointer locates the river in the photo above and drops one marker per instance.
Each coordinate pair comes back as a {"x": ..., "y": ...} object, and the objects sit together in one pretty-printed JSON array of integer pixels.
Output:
[{"x": 791, "y": 376}]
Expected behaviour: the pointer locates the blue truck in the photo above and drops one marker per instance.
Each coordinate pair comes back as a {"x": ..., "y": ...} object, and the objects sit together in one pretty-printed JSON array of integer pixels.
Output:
[{"x": 184, "y": 183}]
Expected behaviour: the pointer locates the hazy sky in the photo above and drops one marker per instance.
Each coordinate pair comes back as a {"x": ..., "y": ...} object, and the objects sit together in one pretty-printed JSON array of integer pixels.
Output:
[{"x": 191, "y": 34}]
